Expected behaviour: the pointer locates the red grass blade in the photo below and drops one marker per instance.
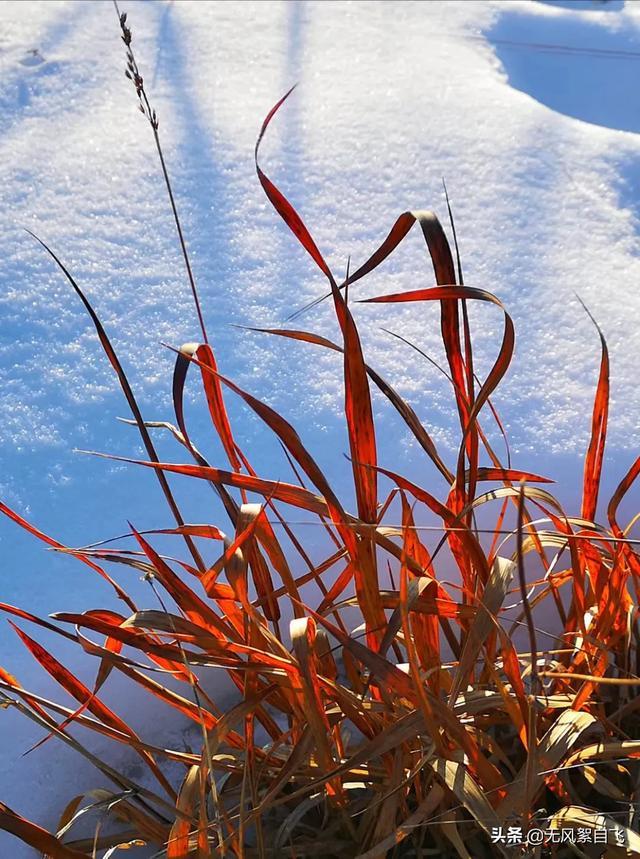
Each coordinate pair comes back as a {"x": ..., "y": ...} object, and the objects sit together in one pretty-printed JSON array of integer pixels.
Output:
[
  {"x": 56, "y": 545},
  {"x": 447, "y": 295},
  {"x": 436, "y": 244},
  {"x": 285, "y": 492},
  {"x": 282, "y": 206},
  {"x": 453, "y": 293},
  {"x": 465, "y": 536},
  {"x": 510, "y": 475},
  {"x": 25, "y": 615}
]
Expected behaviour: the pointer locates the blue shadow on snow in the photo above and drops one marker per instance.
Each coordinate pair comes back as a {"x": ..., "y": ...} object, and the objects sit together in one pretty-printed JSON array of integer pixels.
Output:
[{"x": 573, "y": 63}]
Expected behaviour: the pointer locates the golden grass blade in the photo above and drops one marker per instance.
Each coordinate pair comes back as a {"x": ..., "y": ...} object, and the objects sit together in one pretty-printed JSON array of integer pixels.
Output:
[
  {"x": 223, "y": 728},
  {"x": 178, "y": 844},
  {"x": 384, "y": 814},
  {"x": 576, "y": 817},
  {"x": 603, "y": 785},
  {"x": 122, "y": 844},
  {"x": 266, "y": 591},
  {"x": 456, "y": 777},
  {"x": 429, "y": 803},
  {"x": 606, "y": 751},
  {"x": 449, "y": 828},
  {"x": 68, "y": 815},
  {"x": 152, "y": 830},
  {"x": 491, "y": 601},
  {"x": 552, "y": 750},
  {"x": 303, "y": 636}
]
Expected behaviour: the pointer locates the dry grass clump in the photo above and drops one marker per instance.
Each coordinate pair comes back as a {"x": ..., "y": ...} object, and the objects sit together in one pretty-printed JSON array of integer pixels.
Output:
[{"x": 405, "y": 715}]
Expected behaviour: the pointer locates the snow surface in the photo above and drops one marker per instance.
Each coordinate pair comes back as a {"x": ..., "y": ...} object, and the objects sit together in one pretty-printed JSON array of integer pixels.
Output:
[{"x": 541, "y": 154}]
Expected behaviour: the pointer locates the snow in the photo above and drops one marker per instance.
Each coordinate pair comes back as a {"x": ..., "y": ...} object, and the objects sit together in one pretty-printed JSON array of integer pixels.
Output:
[{"x": 541, "y": 155}]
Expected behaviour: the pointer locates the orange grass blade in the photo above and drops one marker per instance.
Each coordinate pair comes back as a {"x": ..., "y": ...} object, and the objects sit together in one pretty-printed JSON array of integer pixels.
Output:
[
  {"x": 208, "y": 532},
  {"x": 442, "y": 260},
  {"x": 266, "y": 535},
  {"x": 366, "y": 577},
  {"x": 213, "y": 392},
  {"x": 357, "y": 399},
  {"x": 38, "y": 838},
  {"x": 425, "y": 627},
  {"x": 410, "y": 641},
  {"x": 71, "y": 684},
  {"x": 194, "y": 607},
  {"x": 595, "y": 452},
  {"x": 448, "y": 294},
  {"x": 137, "y": 639},
  {"x": 399, "y": 403},
  {"x": 464, "y": 535},
  {"x": 362, "y": 445}
]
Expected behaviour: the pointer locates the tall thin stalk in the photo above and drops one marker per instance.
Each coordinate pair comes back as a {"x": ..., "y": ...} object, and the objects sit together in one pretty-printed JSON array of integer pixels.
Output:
[{"x": 133, "y": 73}]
